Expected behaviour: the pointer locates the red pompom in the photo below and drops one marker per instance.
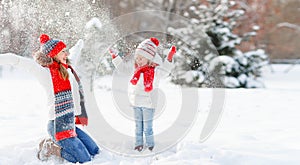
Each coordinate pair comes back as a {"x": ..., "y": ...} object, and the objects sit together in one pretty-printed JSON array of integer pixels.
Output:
[
  {"x": 44, "y": 38},
  {"x": 155, "y": 41}
]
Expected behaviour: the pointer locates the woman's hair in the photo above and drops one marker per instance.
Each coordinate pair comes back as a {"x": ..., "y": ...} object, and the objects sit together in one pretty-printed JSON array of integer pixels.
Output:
[
  {"x": 62, "y": 70},
  {"x": 45, "y": 61}
]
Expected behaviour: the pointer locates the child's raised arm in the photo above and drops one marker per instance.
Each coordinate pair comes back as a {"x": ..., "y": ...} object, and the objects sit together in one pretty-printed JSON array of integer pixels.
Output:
[
  {"x": 171, "y": 53},
  {"x": 120, "y": 65},
  {"x": 167, "y": 66}
]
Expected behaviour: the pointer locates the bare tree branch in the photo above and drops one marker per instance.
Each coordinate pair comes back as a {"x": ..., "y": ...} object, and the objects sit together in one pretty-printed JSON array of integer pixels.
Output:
[{"x": 289, "y": 25}]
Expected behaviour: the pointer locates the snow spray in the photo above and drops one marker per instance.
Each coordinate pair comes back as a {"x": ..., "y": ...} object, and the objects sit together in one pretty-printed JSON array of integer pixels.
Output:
[{"x": 184, "y": 115}]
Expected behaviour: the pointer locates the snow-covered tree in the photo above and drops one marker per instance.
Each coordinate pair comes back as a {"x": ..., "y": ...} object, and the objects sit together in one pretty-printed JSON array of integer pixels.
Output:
[
  {"x": 218, "y": 19},
  {"x": 247, "y": 67},
  {"x": 242, "y": 70}
]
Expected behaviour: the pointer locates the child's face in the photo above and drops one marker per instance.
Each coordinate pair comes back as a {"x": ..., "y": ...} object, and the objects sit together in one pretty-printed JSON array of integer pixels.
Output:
[{"x": 141, "y": 61}]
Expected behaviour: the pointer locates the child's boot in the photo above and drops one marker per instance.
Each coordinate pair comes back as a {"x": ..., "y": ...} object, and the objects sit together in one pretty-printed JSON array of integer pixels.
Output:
[{"x": 139, "y": 148}]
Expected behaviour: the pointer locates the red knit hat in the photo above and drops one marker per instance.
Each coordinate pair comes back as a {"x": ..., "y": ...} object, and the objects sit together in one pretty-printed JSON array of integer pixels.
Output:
[{"x": 51, "y": 47}]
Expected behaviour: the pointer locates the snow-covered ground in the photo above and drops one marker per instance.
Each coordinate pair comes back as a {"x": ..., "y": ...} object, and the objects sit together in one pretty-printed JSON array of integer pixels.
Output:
[{"x": 258, "y": 126}]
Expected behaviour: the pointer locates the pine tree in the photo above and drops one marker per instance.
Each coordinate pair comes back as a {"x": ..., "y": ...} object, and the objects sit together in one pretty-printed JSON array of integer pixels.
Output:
[{"x": 218, "y": 19}]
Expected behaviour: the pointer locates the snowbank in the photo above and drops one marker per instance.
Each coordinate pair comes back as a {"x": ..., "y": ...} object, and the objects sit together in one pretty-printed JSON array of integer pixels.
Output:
[{"x": 258, "y": 126}]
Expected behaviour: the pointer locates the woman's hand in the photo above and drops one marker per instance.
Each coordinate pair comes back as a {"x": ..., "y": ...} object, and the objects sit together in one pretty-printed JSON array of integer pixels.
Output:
[{"x": 82, "y": 120}]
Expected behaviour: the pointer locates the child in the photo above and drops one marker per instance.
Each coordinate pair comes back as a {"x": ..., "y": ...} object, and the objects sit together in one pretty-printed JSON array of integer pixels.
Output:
[{"x": 148, "y": 68}]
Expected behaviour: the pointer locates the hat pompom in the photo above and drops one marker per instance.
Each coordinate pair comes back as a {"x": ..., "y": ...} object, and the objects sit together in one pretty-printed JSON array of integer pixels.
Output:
[
  {"x": 155, "y": 41},
  {"x": 44, "y": 38}
]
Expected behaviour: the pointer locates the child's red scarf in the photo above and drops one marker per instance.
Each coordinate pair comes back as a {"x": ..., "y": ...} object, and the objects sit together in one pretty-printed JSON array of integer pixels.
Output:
[{"x": 148, "y": 72}]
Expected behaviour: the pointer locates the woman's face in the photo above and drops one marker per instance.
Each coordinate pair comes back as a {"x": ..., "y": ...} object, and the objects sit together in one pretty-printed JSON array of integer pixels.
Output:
[
  {"x": 62, "y": 56},
  {"x": 141, "y": 61}
]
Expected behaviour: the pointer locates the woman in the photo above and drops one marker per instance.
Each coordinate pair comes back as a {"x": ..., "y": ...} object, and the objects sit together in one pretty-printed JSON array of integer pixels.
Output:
[{"x": 65, "y": 101}]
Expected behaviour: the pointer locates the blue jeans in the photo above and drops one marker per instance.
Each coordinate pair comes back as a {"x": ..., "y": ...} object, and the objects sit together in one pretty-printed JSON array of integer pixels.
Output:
[
  {"x": 76, "y": 149},
  {"x": 143, "y": 124}
]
